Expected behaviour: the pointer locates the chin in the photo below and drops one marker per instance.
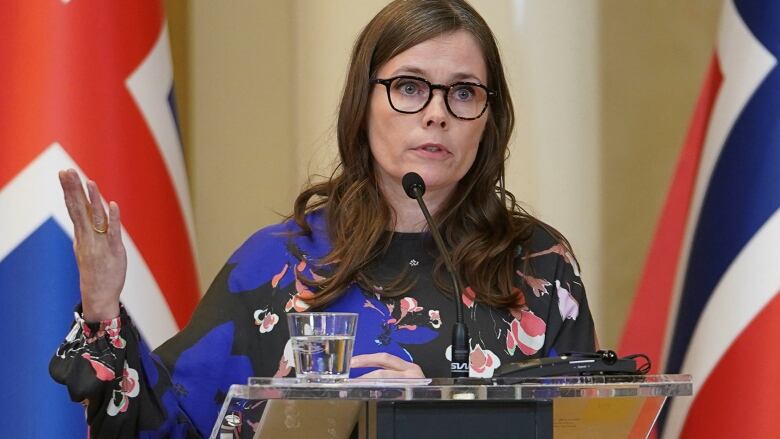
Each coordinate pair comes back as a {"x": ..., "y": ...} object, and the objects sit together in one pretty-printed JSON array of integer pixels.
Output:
[{"x": 436, "y": 181}]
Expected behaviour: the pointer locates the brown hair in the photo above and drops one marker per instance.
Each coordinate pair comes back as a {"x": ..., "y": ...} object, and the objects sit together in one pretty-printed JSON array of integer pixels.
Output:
[{"x": 481, "y": 222}]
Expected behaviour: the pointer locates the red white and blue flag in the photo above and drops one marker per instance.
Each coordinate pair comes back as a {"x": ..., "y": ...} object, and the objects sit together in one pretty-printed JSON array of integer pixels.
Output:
[
  {"x": 708, "y": 302},
  {"x": 84, "y": 84}
]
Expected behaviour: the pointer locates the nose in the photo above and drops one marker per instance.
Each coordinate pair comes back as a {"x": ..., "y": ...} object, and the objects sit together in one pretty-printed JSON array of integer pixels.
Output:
[{"x": 435, "y": 113}]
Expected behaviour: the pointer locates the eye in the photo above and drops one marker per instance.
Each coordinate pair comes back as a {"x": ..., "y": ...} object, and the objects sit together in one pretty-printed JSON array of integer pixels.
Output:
[
  {"x": 409, "y": 87},
  {"x": 463, "y": 92}
]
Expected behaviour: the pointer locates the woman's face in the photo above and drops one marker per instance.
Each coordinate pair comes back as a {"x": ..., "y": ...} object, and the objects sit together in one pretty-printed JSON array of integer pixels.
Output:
[{"x": 433, "y": 142}]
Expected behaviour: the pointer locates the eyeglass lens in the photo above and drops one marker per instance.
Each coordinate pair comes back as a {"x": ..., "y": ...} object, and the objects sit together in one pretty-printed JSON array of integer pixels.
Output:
[{"x": 411, "y": 95}]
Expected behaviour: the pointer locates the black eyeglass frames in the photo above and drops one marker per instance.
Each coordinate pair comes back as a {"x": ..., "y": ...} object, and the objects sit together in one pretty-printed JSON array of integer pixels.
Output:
[{"x": 410, "y": 94}]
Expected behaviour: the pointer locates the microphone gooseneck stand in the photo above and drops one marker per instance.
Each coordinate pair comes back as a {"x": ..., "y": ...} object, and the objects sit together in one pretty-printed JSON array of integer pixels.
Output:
[{"x": 414, "y": 186}]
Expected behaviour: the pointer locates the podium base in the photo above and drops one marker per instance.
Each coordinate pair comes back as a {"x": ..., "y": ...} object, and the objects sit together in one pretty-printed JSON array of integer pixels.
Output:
[{"x": 456, "y": 419}]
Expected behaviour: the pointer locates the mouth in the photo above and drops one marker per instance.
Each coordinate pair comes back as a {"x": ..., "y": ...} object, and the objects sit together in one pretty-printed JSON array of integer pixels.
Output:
[{"x": 434, "y": 148}]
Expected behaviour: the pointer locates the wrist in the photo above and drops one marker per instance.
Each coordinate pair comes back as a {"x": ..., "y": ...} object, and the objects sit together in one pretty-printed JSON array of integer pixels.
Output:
[{"x": 98, "y": 312}]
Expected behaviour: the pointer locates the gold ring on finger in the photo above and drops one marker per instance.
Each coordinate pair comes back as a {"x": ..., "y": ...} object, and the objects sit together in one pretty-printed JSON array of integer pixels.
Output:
[{"x": 100, "y": 231}]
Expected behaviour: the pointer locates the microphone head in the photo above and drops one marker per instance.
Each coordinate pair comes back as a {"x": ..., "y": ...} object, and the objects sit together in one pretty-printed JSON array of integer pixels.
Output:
[{"x": 413, "y": 184}]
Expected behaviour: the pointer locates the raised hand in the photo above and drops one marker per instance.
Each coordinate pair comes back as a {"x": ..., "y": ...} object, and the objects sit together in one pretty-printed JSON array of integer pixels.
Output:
[
  {"x": 100, "y": 253},
  {"x": 389, "y": 365}
]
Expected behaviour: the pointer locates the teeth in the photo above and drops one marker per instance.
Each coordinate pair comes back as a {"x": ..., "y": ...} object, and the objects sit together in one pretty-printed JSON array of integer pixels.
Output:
[{"x": 431, "y": 149}]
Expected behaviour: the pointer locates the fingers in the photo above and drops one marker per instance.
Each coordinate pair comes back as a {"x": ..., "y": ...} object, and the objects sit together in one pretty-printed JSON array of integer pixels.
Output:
[
  {"x": 381, "y": 359},
  {"x": 98, "y": 214},
  {"x": 75, "y": 201},
  {"x": 380, "y": 373},
  {"x": 86, "y": 210},
  {"x": 114, "y": 226},
  {"x": 391, "y": 366},
  {"x": 385, "y": 373}
]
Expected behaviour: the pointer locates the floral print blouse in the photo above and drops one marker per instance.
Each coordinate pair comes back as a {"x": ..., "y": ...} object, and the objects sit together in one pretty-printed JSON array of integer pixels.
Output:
[{"x": 239, "y": 330}]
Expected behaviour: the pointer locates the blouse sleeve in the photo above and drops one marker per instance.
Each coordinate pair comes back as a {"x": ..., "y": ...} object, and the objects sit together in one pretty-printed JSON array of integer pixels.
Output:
[
  {"x": 575, "y": 331},
  {"x": 177, "y": 390},
  {"x": 107, "y": 367}
]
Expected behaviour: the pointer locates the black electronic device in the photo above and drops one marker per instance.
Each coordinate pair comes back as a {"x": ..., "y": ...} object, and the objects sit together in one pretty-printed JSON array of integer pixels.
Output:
[{"x": 575, "y": 364}]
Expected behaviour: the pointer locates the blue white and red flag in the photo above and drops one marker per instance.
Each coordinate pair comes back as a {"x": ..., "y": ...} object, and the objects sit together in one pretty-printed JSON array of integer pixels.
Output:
[
  {"x": 708, "y": 301},
  {"x": 84, "y": 84}
]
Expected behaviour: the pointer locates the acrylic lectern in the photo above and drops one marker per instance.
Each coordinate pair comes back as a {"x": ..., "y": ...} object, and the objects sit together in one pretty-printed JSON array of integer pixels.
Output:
[{"x": 560, "y": 407}]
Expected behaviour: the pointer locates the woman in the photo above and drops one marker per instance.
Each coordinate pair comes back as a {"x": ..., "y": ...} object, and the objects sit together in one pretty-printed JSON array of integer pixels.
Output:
[{"x": 425, "y": 92}]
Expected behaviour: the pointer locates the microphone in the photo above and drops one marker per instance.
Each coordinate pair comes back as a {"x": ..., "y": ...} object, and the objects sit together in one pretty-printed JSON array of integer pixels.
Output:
[{"x": 414, "y": 186}]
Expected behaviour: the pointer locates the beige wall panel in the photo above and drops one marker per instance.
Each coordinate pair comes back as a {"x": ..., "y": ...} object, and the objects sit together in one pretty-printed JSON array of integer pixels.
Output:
[
  {"x": 242, "y": 152},
  {"x": 324, "y": 35}
]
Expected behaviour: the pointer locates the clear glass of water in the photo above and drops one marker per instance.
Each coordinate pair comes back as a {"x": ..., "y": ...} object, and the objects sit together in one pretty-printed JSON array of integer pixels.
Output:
[{"x": 322, "y": 344}]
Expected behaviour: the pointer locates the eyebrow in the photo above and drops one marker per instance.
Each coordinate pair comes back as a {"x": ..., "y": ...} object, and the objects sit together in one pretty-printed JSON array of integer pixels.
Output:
[{"x": 458, "y": 76}]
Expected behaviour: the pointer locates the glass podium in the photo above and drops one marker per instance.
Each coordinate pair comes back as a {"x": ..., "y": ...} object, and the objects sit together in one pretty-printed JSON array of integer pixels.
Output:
[{"x": 559, "y": 407}]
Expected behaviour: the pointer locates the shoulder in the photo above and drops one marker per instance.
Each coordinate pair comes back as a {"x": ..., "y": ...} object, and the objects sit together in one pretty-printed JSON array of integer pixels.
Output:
[
  {"x": 546, "y": 252},
  {"x": 270, "y": 249},
  {"x": 541, "y": 236},
  {"x": 277, "y": 238}
]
